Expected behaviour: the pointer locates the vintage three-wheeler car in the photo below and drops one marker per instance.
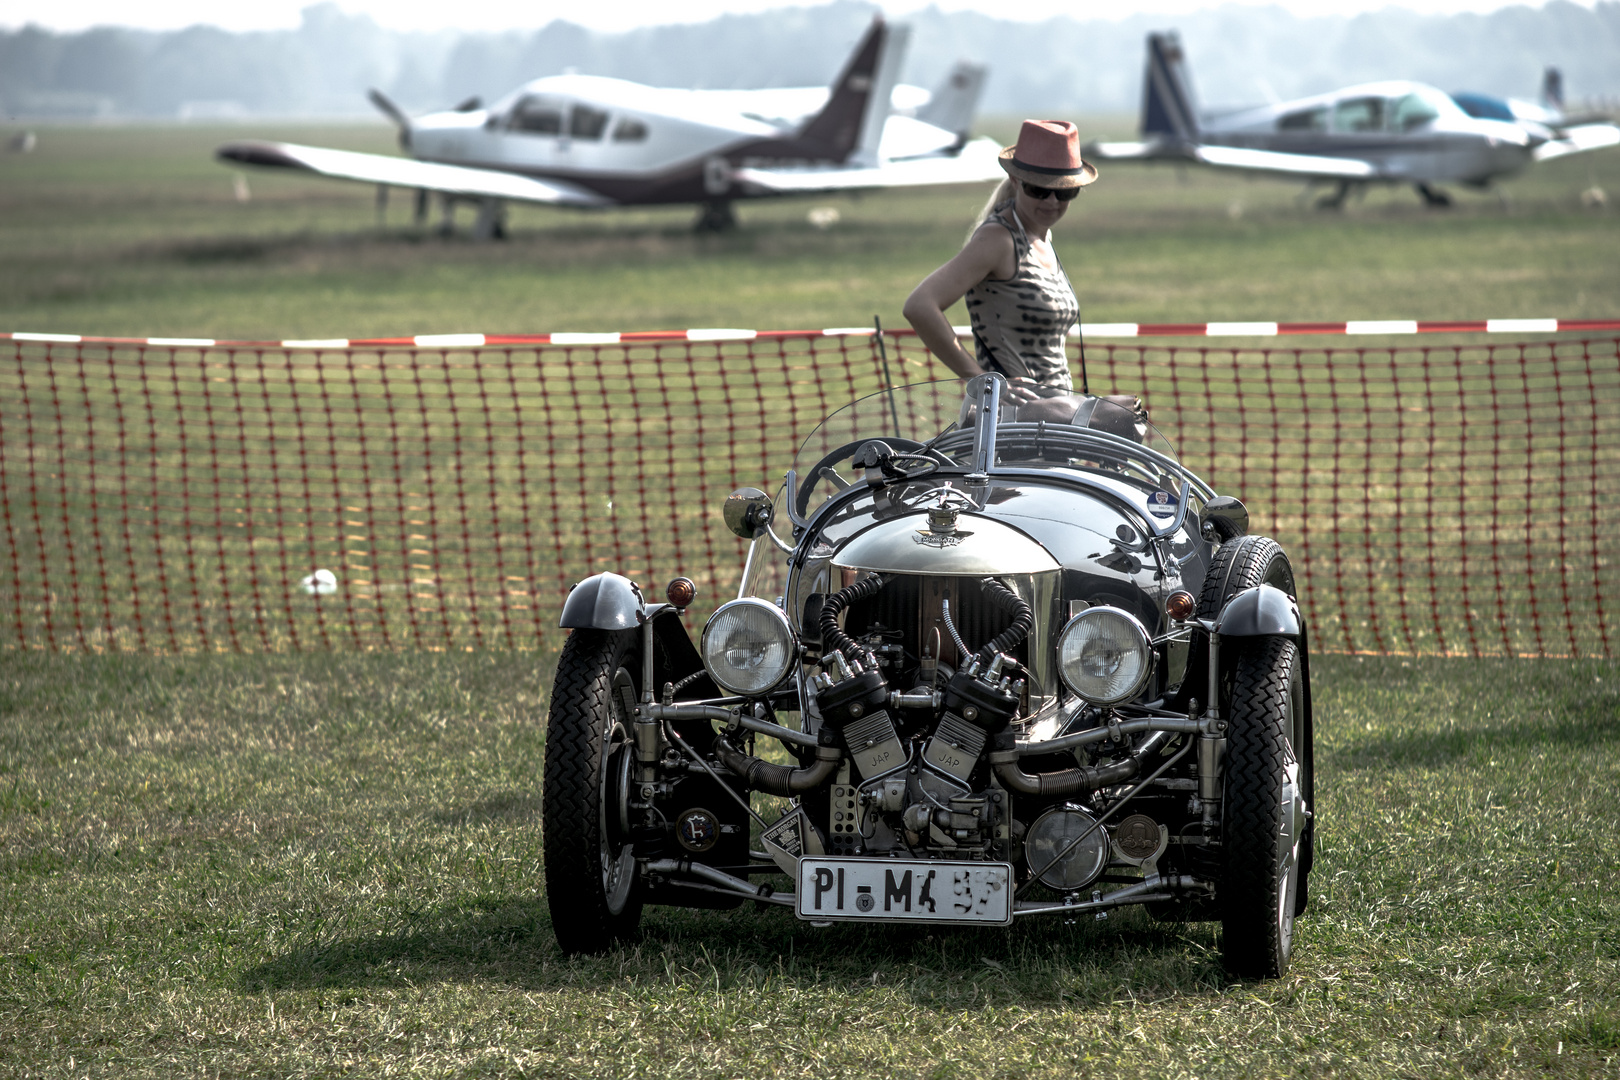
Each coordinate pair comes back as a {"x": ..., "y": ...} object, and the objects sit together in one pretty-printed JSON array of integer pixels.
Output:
[{"x": 1021, "y": 663}]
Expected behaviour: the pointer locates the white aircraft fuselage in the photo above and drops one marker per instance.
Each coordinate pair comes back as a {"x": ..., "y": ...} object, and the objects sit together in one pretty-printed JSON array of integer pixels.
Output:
[
  {"x": 1403, "y": 130},
  {"x": 592, "y": 141},
  {"x": 1389, "y": 132}
]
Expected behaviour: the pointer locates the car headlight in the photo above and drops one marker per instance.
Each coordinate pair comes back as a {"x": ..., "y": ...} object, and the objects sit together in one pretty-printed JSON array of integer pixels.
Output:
[
  {"x": 748, "y": 646},
  {"x": 1105, "y": 655}
]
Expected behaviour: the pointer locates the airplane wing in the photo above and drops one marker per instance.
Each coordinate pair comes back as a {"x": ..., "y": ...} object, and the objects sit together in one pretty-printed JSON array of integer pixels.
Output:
[
  {"x": 975, "y": 164},
  {"x": 1237, "y": 157},
  {"x": 1573, "y": 140},
  {"x": 1126, "y": 151},
  {"x": 1234, "y": 157},
  {"x": 409, "y": 173}
]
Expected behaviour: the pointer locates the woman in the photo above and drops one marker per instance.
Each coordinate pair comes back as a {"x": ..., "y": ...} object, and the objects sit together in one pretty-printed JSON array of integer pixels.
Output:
[{"x": 1018, "y": 297}]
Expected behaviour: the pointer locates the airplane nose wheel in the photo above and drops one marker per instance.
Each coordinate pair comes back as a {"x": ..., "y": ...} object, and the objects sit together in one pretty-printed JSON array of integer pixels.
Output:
[
  {"x": 1334, "y": 200},
  {"x": 716, "y": 215},
  {"x": 1433, "y": 198}
]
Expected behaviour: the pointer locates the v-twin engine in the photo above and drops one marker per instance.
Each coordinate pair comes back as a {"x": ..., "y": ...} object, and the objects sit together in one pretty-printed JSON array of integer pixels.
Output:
[{"x": 919, "y": 778}]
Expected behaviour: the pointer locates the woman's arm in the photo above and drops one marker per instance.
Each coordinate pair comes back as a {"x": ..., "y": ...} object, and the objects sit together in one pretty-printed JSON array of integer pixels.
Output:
[{"x": 989, "y": 253}]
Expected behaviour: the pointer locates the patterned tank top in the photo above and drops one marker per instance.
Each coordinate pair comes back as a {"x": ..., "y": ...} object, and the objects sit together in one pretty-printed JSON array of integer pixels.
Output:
[{"x": 1020, "y": 323}]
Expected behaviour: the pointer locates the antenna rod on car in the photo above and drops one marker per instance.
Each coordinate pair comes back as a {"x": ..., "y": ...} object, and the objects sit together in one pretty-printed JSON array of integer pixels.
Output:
[{"x": 883, "y": 355}]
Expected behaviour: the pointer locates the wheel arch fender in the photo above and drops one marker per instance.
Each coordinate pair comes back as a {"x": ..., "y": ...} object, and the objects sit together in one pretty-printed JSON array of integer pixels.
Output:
[
  {"x": 1308, "y": 754},
  {"x": 1260, "y": 611},
  {"x": 613, "y": 602},
  {"x": 604, "y": 601},
  {"x": 676, "y": 654}
]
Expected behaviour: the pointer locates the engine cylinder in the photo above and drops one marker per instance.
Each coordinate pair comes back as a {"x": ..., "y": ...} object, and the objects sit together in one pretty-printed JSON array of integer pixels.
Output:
[{"x": 981, "y": 703}]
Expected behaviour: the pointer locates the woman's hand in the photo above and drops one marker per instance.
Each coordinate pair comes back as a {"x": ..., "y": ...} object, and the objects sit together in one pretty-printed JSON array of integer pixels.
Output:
[{"x": 1024, "y": 390}]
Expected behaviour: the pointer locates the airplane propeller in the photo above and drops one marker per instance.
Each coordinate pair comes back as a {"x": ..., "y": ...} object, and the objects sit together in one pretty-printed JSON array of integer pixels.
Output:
[{"x": 394, "y": 113}]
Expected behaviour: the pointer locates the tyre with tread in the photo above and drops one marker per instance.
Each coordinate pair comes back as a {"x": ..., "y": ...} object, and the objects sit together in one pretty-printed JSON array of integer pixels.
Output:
[
  {"x": 1264, "y": 816},
  {"x": 1241, "y": 562},
  {"x": 592, "y": 887}
]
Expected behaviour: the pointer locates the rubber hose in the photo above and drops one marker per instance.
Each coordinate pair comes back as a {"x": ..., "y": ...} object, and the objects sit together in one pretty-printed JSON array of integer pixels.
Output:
[
  {"x": 761, "y": 775},
  {"x": 1085, "y": 779},
  {"x": 833, "y": 638},
  {"x": 1010, "y": 602},
  {"x": 1082, "y": 780}
]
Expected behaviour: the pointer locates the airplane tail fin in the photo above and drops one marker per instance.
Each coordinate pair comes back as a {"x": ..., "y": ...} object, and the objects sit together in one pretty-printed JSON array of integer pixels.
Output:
[
  {"x": 954, "y": 105},
  {"x": 850, "y": 125},
  {"x": 1168, "y": 108},
  {"x": 1552, "y": 89}
]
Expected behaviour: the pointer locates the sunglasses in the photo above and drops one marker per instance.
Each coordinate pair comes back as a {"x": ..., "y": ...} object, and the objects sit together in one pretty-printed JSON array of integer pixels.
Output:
[{"x": 1061, "y": 194}]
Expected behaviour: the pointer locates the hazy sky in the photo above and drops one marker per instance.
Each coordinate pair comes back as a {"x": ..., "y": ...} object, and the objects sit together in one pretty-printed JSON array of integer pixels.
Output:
[{"x": 611, "y": 16}]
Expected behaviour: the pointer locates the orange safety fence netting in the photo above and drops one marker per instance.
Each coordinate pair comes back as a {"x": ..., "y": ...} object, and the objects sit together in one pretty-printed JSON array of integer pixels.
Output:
[{"x": 1436, "y": 499}]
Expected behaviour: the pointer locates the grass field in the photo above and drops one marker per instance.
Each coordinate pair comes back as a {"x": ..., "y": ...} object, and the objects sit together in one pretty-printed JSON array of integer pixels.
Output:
[
  {"x": 318, "y": 865},
  {"x": 136, "y": 231}
]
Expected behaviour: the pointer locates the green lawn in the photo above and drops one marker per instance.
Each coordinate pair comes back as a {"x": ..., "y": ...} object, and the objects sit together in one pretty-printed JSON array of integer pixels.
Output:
[
  {"x": 137, "y": 232},
  {"x": 320, "y": 865}
]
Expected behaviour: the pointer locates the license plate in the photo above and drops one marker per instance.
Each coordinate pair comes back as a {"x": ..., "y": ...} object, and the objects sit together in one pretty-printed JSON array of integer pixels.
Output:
[{"x": 904, "y": 890}]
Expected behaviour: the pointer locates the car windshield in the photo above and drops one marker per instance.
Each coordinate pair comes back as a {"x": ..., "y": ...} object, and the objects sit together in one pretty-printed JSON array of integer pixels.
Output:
[{"x": 940, "y": 418}]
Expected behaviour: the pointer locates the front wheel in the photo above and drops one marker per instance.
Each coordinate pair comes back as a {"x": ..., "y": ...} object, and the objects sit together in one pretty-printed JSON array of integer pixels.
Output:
[
  {"x": 591, "y": 882},
  {"x": 1265, "y": 812}
]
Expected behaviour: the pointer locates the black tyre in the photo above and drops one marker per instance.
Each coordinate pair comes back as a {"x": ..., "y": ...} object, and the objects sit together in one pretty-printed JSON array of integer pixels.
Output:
[
  {"x": 1243, "y": 563},
  {"x": 1240, "y": 563},
  {"x": 591, "y": 882},
  {"x": 1265, "y": 816}
]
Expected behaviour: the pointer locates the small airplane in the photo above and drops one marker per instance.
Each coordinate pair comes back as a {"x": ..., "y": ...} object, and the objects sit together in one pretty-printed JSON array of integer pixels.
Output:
[
  {"x": 1393, "y": 132},
  {"x": 593, "y": 142}
]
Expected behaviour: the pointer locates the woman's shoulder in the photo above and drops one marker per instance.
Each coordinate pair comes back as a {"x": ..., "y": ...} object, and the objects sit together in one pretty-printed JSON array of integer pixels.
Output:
[
  {"x": 998, "y": 223},
  {"x": 1001, "y": 216},
  {"x": 993, "y": 248},
  {"x": 1002, "y": 229}
]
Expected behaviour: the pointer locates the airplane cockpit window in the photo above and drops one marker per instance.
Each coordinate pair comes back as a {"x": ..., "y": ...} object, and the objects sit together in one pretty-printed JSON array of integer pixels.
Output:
[
  {"x": 585, "y": 122},
  {"x": 1359, "y": 114},
  {"x": 1304, "y": 120},
  {"x": 1411, "y": 111},
  {"x": 536, "y": 116},
  {"x": 629, "y": 129}
]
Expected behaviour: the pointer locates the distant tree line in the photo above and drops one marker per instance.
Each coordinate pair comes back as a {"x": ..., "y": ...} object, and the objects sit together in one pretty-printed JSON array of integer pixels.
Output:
[{"x": 1238, "y": 56}]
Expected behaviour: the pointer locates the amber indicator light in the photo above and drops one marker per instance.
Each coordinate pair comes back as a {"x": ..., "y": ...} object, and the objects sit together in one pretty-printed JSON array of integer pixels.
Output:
[
  {"x": 1180, "y": 606},
  {"x": 681, "y": 592}
]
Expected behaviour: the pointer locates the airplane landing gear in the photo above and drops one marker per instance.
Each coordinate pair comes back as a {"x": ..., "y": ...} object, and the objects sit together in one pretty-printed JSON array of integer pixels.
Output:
[
  {"x": 716, "y": 215},
  {"x": 1433, "y": 198},
  {"x": 1334, "y": 201},
  {"x": 491, "y": 223}
]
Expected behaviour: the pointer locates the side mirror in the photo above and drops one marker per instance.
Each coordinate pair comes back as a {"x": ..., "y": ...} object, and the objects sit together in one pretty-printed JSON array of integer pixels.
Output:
[
  {"x": 1228, "y": 515},
  {"x": 747, "y": 512}
]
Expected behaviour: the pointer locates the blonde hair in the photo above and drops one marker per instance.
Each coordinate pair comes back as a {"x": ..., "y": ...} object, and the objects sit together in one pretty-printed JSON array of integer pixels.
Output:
[{"x": 1004, "y": 191}]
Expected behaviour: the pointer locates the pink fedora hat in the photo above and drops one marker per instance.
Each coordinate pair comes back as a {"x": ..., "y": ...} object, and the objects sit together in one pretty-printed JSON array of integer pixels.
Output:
[{"x": 1047, "y": 154}]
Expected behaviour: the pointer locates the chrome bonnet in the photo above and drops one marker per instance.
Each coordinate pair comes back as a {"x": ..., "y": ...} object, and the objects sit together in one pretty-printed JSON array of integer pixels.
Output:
[{"x": 967, "y": 545}]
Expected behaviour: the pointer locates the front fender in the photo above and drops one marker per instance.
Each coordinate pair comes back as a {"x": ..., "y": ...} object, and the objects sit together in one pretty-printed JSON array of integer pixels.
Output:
[
  {"x": 604, "y": 602},
  {"x": 1262, "y": 611}
]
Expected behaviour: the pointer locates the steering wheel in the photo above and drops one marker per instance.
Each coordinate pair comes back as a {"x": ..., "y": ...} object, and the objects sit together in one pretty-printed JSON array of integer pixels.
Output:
[{"x": 924, "y": 460}]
